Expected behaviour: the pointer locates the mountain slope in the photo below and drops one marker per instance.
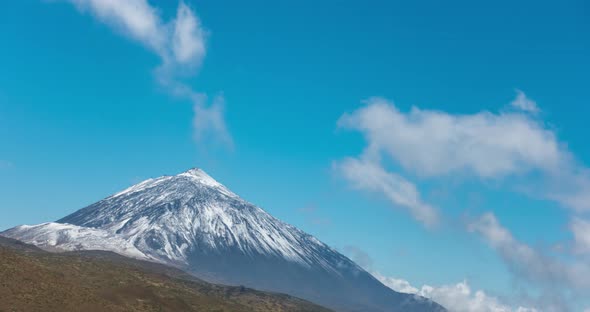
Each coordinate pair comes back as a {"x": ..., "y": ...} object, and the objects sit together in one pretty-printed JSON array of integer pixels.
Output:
[
  {"x": 35, "y": 280},
  {"x": 193, "y": 222}
]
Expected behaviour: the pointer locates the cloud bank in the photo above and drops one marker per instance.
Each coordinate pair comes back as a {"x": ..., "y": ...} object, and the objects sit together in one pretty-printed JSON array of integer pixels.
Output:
[
  {"x": 181, "y": 45},
  {"x": 456, "y": 298}
]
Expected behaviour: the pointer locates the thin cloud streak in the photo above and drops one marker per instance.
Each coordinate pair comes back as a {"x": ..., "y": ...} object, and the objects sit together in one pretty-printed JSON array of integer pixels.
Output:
[
  {"x": 558, "y": 279},
  {"x": 180, "y": 44},
  {"x": 524, "y": 103},
  {"x": 368, "y": 175}
]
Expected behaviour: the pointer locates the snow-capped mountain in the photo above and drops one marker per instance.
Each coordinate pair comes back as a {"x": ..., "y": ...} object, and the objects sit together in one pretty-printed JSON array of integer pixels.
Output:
[{"x": 193, "y": 222}]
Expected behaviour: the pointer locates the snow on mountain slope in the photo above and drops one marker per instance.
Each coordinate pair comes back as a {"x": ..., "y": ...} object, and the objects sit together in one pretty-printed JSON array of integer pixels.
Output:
[
  {"x": 68, "y": 237},
  {"x": 193, "y": 222},
  {"x": 168, "y": 216}
]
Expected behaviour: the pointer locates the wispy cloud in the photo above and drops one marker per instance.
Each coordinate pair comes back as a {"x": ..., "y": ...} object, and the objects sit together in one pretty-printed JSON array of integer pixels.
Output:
[
  {"x": 456, "y": 297},
  {"x": 522, "y": 102},
  {"x": 510, "y": 147},
  {"x": 559, "y": 278},
  {"x": 181, "y": 45},
  {"x": 209, "y": 120},
  {"x": 188, "y": 40},
  {"x": 134, "y": 18},
  {"x": 581, "y": 231},
  {"x": 367, "y": 174},
  {"x": 485, "y": 145}
]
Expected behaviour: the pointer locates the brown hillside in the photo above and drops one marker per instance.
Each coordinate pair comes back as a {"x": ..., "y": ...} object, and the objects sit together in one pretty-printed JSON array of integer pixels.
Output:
[{"x": 35, "y": 280}]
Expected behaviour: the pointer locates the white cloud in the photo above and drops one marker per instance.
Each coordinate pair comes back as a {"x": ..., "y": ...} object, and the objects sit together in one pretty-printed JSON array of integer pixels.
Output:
[
  {"x": 208, "y": 119},
  {"x": 180, "y": 43},
  {"x": 369, "y": 175},
  {"x": 433, "y": 143},
  {"x": 397, "y": 284},
  {"x": 581, "y": 230},
  {"x": 485, "y": 145},
  {"x": 570, "y": 186},
  {"x": 522, "y": 102},
  {"x": 461, "y": 298},
  {"x": 456, "y": 298},
  {"x": 559, "y": 277},
  {"x": 188, "y": 41},
  {"x": 135, "y": 18}
]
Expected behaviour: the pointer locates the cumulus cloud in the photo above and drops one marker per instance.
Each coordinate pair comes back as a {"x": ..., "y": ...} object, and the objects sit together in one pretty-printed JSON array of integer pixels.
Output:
[
  {"x": 484, "y": 145},
  {"x": 460, "y": 298},
  {"x": 369, "y": 175},
  {"x": 433, "y": 143},
  {"x": 557, "y": 276},
  {"x": 456, "y": 297},
  {"x": 180, "y": 43},
  {"x": 397, "y": 284},
  {"x": 522, "y": 102}
]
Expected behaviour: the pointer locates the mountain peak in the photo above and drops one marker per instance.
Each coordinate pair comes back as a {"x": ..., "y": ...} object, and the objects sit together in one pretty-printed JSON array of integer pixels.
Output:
[
  {"x": 191, "y": 221},
  {"x": 201, "y": 176},
  {"x": 195, "y": 171}
]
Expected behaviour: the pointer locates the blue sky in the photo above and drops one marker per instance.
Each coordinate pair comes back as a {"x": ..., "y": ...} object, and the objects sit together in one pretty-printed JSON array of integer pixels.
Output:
[{"x": 350, "y": 120}]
